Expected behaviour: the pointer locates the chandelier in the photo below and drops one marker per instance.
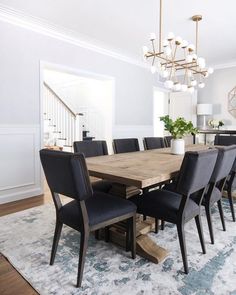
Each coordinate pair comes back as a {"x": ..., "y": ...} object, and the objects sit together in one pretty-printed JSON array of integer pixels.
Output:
[{"x": 173, "y": 55}]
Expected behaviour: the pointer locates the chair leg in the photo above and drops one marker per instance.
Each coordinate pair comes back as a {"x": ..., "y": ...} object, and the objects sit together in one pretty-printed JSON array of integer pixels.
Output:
[
  {"x": 144, "y": 217},
  {"x": 127, "y": 242},
  {"x": 82, "y": 253},
  {"x": 162, "y": 224},
  {"x": 221, "y": 214},
  {"x": 56, "y": 238},
  {"x": 180, "y": 229},
  {"x": 209, "y": 221},
  {"x": 156, "y": 225},
  {"x": 97, "y": 234},
  {"x": 107, "y": 234},
  {"x": 133, "y": 236},
  {"x": 200, "y": 233},
  {"x": 231, "y": 204}
]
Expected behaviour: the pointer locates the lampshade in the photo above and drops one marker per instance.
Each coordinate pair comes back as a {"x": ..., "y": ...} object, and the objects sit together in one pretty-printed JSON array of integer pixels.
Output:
[{"x": 204, "y": 109}]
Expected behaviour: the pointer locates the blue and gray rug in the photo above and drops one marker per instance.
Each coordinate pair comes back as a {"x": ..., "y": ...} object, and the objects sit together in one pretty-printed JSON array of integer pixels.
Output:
[{"x": 26, "y": 239}]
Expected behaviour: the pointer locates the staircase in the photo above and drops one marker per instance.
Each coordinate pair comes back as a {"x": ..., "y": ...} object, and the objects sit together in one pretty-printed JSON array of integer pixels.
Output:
[{"x": 61, "y": 125}]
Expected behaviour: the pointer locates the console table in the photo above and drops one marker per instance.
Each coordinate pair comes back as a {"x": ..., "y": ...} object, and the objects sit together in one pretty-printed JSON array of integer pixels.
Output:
[{"x": 213, "y": 131}]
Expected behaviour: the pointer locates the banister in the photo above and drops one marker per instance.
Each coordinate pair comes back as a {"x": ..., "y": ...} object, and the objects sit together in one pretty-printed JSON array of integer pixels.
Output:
[{"x": 65, "y": 105}]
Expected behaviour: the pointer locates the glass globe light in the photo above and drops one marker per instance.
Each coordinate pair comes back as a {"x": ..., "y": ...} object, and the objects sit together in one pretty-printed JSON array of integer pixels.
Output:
[
  {"x": 189, "y": 58},
  {"x": 178, "y": 40},
  {"x": 201, "y": 62},
  {"x": 177, "y": 86},
  {"x": 170, "y": 36},
  {"x": 165, "y": 74},
  {"x": 184, "y": 87},
  {"x": 168, "y": 51},
  {"x": 184, "y": 44},
  {"x": 165, "y": 43},
  {"x": 153, "y": 69},
  {"x": 152, "y": 36},
  {"x": 168, "y": 84},
  {"x": 191, "y": 47},
  {"x": 201, "y": 85},
  {"x": 210, "y": 70},
  {"x": 193, "y": 83},
  {"x": 145, "y": 50},
  {"x": 206, "y": 74},
  {"x": 194, "y": 56}
]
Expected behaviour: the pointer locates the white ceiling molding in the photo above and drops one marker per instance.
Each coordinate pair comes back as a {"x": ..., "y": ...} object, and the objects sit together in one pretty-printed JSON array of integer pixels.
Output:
[
  {"x": 230, "y": 64},
  {"x": 40, "y": 26}
]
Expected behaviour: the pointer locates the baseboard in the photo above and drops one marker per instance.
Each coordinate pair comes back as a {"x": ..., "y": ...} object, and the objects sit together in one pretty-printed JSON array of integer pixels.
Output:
[{"x": 11, "y": 197}]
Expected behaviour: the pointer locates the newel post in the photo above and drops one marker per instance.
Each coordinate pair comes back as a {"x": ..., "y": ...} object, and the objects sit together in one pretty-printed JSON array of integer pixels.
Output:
[{"x": 78, "y": 127}]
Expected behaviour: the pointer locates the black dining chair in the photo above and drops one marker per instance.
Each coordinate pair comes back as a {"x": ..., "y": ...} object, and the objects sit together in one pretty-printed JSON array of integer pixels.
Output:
[
  {"x": 94, "y": 148},
  {"x": 151, "y": 143},
  {"x": 125, "y": 145},
  {"x": 224, "y": 163},
  {"x": 176, "y": 206},
  {"x": 224, "y": 140},
  {"x": 167, "y": 140},
  {"x": 230, "y": 184},
  {"x": 67, "y": 174}
]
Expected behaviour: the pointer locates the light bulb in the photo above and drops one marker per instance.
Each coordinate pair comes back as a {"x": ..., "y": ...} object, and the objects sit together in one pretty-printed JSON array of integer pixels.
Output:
[
  {"x": 178, "y": 40},
  {"x": 170, "y": 36},
  {"x": 201, "y": 85},
  {"x": 153, "y": 69},
  {"x": 145, "y": 50},
  {"x": 206, "y": 74},
  {"x": 191, "y": 89},
  {"x": 152, "y": 36},
  {"x": 210, "y": 70},
  {"x": 165, "y": 74},
  {"x": 177, "y": 86},
  {"x": 189, "y": 58},
  {"x": 167, "y": 51},
  {"x": 184, "y": 44},
  {"x": 193, "y": 83},
  {"x": 189, "y": 74},
  {"x": 165, "y": 43},
  {"x": 201, "y": 62},
  {"x": 194, "y": 56},
  {"x": 184, "y": 87},
  {"x": 168, "y": 84},
  {"x": 191, "y": 47}
]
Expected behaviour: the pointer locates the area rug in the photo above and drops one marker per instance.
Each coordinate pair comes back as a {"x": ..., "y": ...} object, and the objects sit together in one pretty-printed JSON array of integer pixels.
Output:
[{"x": 26, "y": 239}]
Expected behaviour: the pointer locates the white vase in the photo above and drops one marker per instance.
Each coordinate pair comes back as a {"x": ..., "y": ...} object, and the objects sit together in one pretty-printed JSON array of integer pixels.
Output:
[{"x": 177, "y": 146}]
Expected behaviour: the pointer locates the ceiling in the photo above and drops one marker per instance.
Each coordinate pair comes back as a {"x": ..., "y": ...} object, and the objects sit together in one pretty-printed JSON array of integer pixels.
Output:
[{"x": 124, "y": 25}]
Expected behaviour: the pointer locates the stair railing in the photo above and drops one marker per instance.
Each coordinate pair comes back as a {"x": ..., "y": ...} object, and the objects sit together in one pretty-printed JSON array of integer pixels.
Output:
[{"x": 66, "y": 123}]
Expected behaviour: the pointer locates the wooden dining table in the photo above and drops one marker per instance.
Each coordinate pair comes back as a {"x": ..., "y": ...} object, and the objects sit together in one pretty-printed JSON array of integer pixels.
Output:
[{"x": 132, "y": 173}]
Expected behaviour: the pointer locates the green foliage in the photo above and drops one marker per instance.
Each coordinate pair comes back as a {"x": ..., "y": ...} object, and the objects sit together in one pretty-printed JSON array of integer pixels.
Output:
[{"x": 178, "y": 128}]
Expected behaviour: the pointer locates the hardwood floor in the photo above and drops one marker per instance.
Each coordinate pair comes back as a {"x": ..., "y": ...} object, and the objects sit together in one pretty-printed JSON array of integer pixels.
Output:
[{"x": 11, "y": 282}]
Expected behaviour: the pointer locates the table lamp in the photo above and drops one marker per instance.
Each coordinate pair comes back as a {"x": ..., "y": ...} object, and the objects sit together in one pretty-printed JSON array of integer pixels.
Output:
[{"x": 204, "y": 109}]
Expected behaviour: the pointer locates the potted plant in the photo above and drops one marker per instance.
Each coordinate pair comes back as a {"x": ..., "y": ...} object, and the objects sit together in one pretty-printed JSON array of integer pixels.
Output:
[{"x": 178, "y": 129}]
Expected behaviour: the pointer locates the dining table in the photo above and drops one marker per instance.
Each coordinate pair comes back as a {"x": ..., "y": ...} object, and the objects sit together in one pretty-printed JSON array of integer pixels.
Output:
[{"x": 135, "y": 173}]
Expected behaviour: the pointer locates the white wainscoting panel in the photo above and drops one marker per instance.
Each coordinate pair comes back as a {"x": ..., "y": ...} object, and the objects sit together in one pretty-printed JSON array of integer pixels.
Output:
[
  {"x": 20, "y": 174},
  {"x": 133, "y": 131}
]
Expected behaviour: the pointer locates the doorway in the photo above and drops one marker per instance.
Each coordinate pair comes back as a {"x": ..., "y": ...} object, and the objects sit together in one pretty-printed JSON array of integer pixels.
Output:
[{"x": 75, "y": 105}]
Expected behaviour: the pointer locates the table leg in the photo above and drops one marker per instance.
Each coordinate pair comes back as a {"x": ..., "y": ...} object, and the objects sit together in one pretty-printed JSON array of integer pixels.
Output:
[{"x": 146, "y": 247}]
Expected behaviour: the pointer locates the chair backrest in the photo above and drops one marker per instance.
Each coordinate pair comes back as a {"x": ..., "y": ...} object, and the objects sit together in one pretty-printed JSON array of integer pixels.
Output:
[
  {"x": 91, "y": 148},
  {"x": 224, "y": 140},
  {"x": 66, "y": 174},
  {"x": 125, "y": 145},
  {"x": 224, "y": 163},
  {"x": 151, "y": 143},
  {"x": 196, "y": 171},
  {"x": 167, "y": 140}
]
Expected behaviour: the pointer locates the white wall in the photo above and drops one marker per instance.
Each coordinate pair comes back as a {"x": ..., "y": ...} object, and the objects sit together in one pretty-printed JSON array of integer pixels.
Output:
[
  {"x": 218, "y": 85},
  {"x": 21, "y": 51}
]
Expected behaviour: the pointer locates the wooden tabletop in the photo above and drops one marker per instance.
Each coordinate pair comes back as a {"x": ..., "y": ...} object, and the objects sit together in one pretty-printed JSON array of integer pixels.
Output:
[{"x": 140, "y": 169}]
